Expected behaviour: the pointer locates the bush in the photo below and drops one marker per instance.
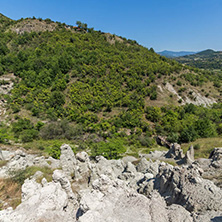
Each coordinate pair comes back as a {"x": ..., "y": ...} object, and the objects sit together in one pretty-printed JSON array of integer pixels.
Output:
[
  {"x": 62, "y": 129},
  {"x": 173, "y": 138},
  {"x": 21, "y": 125},
  {"x": 188, "y": 135},
  {"x": 112, "y": 149},
  {"x": 197, "y": 146},
  {"x": 28, "y": 135},
  {"x": 146, "y": 141}
]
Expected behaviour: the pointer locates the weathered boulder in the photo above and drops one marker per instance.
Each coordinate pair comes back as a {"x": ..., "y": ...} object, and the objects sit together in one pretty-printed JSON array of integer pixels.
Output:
[
  {"x": 111, "y": 201},
  {"x": 82, "y": 157},
  {"x": 68, "y": 161},
  {"x": 216, "y": 157},
  {"x": 186, "y": 187},
  {"x": 43, "y": 202},
  {"x": 145, "y": 166},
  {"x": 175, "y": 152},
  {"x": 162, "y": 141},
  {"x": 189, "y": 157},
  {"x": 1, "y": 155}
]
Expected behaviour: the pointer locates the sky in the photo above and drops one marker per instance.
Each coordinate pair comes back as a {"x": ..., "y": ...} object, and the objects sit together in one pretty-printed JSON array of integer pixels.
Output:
[{"x": 176, "y": 25}]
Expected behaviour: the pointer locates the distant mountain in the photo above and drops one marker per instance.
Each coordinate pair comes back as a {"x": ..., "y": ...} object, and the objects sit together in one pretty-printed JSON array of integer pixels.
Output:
[
  {"x": 207, "y": 59},
  {"x": 172, "y": 54}
]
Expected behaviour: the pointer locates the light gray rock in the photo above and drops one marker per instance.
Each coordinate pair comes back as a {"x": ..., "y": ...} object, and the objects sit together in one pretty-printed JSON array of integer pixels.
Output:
[
  {"x": 68, "y": 161},
  {"x": 127, "y": 159},
  {"x": 175, "y": 152},
  {"x": 82, "y": 157},
  {"x": 216, "y": 156},
  {"x": 46, "y": 202},
  {"x": 178, "y": 213},
  {"x": 19, "y": 160},
  {"x": 1, "y": 155},
  {"x": 111, "y": 200},
  {"x": 156, "y": 155},
  {"x": 189, "y": 156},
  {"x": 145, "y": 166},
  {"x": 186, "y": 187},
  {"x": 212, "y": 216}
]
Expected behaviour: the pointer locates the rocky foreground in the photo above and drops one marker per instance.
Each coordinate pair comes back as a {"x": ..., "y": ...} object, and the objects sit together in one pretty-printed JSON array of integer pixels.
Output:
[{"x": 103, "y": 190}]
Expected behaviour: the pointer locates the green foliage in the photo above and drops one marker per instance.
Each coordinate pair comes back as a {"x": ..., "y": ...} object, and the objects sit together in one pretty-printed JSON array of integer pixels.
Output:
[
  {"x": 146, "y": 141},
  {"x": 60, "y": 130},
  {"x": 3, "y": 135},
  {"x": 196, "y": 146},
  {"x": 28, "y": 135},
  {"x": 173, "y": 137},
  {"x": 205, "y": 128},
  {"x": 54, "y": 151},
  {"x": 88, "y": 82},
  {"x": 21, "y": 125},
  {"x": 112, "y": 149}
]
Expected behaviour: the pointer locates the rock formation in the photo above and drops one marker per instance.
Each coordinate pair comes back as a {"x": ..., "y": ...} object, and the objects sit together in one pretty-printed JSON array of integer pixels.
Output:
[{"x": 88, "y": 190}]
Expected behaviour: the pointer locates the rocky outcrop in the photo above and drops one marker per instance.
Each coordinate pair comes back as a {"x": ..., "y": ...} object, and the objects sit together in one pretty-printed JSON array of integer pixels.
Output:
[
  {"x": 1, "y": 155},
  {"x": 189, "y": 157},
  {"x": 186, "y": 187},
  {"x": 115, "y": 190},
  {"x": 113, "y": 201},
  {"x": 162, "y": 141},
  {"x": 19, "y": 160},
  {"x": 68, "y": 161},
  {"x": 175, "y": 152},
  {"x": 44, "y": 202},
  {"x": 216, "y": 157}
]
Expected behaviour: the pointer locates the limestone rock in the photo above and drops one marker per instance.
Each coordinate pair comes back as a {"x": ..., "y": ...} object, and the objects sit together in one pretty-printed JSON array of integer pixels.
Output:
[
  {"x": 82, "y": 157},
  {"x": 1, "y": 155},
  {"x": 41, "y": 203},
  {"x": 186, "y": 187},
  {"x": 112, "y": 201},
  {"x": 68, "y": 161},
  {"x": 216, "y": 156},
  {"x": 145, "y": 166},
  {"x": 189, "y": 157},
  {"x": 175, "y": 152}
]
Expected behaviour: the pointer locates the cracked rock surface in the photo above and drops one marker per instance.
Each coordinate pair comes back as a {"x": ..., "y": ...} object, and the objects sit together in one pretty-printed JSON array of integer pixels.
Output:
[{"x": 100, "y": 190}]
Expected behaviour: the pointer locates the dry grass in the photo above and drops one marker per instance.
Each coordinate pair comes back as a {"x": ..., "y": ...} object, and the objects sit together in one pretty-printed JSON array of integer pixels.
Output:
[
  {"x": 10, "y": 188},
  {"x": 206, "y": 146},
  {"x": 3, "y": 163},
  {"x": 30, "y": 25},
  {"x": 10, "y": 192}
]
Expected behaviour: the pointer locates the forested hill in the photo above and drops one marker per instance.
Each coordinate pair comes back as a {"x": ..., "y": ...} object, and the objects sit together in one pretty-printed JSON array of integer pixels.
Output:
[
  {"x": 173, "y": 54},
  {"x": 207, "y": 59},
  {"x": 103, "y": 83}
]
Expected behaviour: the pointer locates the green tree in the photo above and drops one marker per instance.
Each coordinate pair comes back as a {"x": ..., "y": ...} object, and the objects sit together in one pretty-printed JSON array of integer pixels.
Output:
[{"x": 110, "y": 150}]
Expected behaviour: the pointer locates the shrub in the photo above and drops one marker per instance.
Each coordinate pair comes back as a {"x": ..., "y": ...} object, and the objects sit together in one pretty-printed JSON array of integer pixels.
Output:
[
  {"x": 112, "y": 149},
  {"x": 173, "y": 138},
  {"x": 60, "y": 129},
  {"x": 197, "y": 146},
  {"x": 28, "y": 135},
  {"x": 146, "y": 141},
  {"x": 21, "y": 125}
]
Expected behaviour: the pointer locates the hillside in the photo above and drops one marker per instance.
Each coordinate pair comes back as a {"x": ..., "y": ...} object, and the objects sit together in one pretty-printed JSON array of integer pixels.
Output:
[
  {"x": 172, "y": 54},
  {"x": 207, "y": 59},
  {"x": 70, "y": 82}
]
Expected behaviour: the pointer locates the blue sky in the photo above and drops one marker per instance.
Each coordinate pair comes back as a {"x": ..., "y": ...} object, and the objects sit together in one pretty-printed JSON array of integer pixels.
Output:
[{"x": 190, "y": 25}]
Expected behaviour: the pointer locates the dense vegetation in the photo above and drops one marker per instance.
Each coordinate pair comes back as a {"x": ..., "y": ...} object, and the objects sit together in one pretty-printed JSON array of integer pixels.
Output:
[
  {"x": 207, "y": 59},
  {"x": 79, "y": 84}
]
